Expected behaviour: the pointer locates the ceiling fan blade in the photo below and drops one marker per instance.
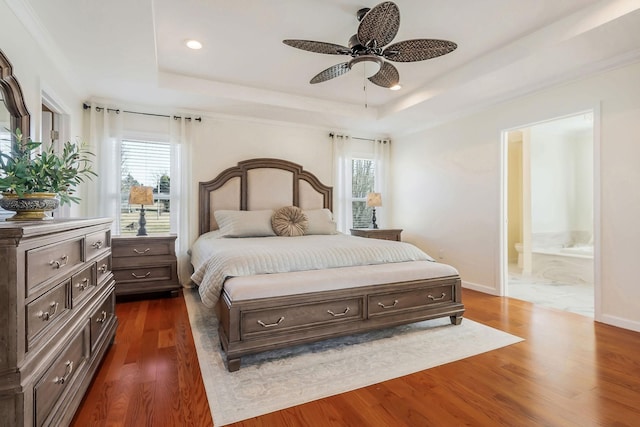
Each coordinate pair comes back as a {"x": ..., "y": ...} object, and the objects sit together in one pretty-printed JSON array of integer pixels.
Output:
[
  {"x": 387, "y": 76},
  {"x": 379, "y": 25},
  {"x": 330, "y": 73},
  {"x": 418, "y": 50},
  {"x": 318, "y": 47}
]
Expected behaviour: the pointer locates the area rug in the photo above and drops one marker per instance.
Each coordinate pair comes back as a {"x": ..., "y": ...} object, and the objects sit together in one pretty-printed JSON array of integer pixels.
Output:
[{"x": 283, "y": 378}]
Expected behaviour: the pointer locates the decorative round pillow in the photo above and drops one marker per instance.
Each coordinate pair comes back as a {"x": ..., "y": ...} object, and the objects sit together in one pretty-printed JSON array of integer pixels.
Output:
[{"x": 289, "y": 221}]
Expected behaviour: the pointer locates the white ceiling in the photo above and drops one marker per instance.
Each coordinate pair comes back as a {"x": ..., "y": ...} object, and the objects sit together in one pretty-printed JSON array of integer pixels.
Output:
[{"x": 133, "y": 52}]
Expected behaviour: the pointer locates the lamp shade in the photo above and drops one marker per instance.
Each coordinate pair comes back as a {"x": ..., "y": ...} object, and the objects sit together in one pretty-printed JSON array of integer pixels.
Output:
[
  {"x": 139, "y": 195},
  {"x": 374, "y": 200}
]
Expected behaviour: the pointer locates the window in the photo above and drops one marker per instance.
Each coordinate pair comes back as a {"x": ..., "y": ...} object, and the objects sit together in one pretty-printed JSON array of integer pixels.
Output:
[
  {"x": 362, "y": 181},
  {"x": 146, "y": 163}
]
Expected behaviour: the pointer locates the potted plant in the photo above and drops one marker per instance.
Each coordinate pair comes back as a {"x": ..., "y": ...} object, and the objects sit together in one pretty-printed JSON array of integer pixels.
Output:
[{"x": 34, "y": 180}]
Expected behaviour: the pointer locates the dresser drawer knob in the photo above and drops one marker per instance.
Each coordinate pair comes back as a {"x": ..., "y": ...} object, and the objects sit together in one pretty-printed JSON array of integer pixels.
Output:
[
  {"x": 141, "y": 277},
  {"x": 141, "y": 252},
  {"x": 441, "y": 297},
  {"x": 57, "y": 264},
  {"x": 270, "y": 325},
  {"x": 67, "y": 372},
  {"x": 395, "y": 302},
  {"x": 98, "y": 244},
  {"x": 102, "y": 318},
  {"x": 83, "y": 285},
  {"x": 338, "y": 314},
  {"x": 103, "y": 268},
  {"x": 45, "y": 315}
]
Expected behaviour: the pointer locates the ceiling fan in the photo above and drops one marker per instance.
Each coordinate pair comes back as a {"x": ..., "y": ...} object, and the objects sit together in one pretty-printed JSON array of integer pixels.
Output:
[{"x": 378, "y": 26}]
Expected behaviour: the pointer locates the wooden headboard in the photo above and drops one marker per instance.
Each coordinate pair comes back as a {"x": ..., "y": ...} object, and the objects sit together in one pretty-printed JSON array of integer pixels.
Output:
[{"x": 261, "y": 184}]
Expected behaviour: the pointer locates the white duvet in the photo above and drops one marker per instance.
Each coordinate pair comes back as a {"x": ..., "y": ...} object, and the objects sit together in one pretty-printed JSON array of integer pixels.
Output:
[{"x": 216, "y": 258}]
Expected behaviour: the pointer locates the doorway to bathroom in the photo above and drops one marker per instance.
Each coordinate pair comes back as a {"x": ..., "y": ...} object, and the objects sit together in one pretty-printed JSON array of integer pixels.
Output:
[{"x": 548, "y": 250}]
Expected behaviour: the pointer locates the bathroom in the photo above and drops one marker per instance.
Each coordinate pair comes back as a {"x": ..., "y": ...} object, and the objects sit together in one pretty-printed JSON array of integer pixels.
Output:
[{"x": 550, "y": 200}]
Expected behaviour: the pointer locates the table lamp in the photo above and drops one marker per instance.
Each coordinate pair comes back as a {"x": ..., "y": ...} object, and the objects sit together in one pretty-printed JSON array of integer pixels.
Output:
[
  {"x": 139, "y": 195},
  {"x": 374, "y": 200}
]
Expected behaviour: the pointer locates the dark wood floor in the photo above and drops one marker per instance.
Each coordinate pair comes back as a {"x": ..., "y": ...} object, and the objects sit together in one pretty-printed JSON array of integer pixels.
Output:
[{"x": 569, "y": 371}]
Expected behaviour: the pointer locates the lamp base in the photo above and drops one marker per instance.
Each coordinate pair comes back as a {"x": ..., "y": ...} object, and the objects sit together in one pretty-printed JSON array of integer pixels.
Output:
[
  {"x": 142, "y": 222},
  {"x": 373, "y": 220}
]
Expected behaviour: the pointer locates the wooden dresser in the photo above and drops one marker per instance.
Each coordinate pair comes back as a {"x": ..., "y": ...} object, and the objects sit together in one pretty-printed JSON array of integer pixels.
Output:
[
  {"x": 378, "y": 233},
  {"x": 57, "y": 316},
  {"x": 145, "y": 264}
]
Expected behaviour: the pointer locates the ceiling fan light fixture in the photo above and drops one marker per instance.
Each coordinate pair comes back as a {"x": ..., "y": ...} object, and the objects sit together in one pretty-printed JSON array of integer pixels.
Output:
[
  {"x": 368, "y": 63},
  {"x": 396, "y": 86},
  {"x": 193, "y": 44}
]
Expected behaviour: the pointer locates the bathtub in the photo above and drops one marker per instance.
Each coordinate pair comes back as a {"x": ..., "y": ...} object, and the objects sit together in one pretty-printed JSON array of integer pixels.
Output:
[
  {"x": 572, "y": 265},
  {"x": 578, "y": 250}
]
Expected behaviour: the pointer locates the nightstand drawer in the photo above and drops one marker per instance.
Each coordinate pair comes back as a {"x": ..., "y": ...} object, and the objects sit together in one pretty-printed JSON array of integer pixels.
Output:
[
  {"x": 144, "y": 274},
  {"x": 143, "y": 247}
]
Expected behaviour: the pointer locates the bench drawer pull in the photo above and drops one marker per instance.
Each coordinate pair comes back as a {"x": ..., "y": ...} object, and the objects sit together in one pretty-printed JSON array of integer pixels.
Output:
[
  {"x": 441, "y": 297},
  {"x": 395, "y": 302},
  {"x": 270, "y": 325},
  {"x": 338, "y": 314}
]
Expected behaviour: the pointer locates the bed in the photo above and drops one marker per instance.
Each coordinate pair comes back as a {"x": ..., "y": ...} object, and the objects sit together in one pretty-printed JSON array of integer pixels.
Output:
[{"x": 304, "y": 281}]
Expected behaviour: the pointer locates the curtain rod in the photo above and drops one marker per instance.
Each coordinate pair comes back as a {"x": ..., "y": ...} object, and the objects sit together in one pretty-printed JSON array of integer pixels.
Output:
[
  {"x": 117, "y": 111},
  {"x": 361, "y": 139}
]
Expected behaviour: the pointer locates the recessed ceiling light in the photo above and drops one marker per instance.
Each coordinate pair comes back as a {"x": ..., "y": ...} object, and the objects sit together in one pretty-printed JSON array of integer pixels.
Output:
[
  {"x": 396, "y": 87},
  {"x": 193, "y": 44}
]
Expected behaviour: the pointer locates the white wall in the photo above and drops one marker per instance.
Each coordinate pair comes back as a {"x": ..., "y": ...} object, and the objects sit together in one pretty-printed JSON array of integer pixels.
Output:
[
  {"x": 223, "y": 142},
  {"x": 561, "y": 185},
  {"x": 447, "y": 185},
  {"x": 37, "y": 73}
]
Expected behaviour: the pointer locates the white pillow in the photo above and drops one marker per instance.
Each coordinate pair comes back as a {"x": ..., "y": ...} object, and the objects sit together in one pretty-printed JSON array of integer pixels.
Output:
[
  {"x": 245, "y": 223},
  {"x": 320, "y": 221}
]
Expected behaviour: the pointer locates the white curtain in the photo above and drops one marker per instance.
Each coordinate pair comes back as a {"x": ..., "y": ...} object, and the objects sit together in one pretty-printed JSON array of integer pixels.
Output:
[
  {"x": 105, "y": 137},
  {"x": 184, "y": 133},
  {"x": 342, "y": 174},
  {"x": 382, "y": 159}
]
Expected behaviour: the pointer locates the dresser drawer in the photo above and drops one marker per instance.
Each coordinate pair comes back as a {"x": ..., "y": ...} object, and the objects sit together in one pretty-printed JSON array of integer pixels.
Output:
[
  {"x": 390, "y": 303},
  {"x": 54, "y": 381},
  {"x": 101, "y": 317},
  {"x": 97, "y": 244},
  {"x": 83, "y": 284},
  {"x": 43, "y": 312},
  {"x": 103, "y": 268},
  {"x": 52, "y": 261},
  {"x": 281, "y": 319},
  {"x": 144, "y": 274}
]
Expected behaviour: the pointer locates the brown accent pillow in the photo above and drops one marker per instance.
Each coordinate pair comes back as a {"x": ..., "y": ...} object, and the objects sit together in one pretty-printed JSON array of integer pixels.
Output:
[{"x": 289, "y": 221}]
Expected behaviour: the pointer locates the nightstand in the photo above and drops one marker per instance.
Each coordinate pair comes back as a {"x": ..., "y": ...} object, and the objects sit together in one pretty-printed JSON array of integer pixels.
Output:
[
  {"x": 145, "y": 264},
  {"x": 378, "y": 233}
]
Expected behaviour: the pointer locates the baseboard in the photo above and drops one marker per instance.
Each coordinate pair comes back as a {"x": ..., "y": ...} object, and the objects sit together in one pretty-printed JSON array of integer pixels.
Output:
[
  {"x": 619, "y": 322},
  {"x": 480, "y": 288}
]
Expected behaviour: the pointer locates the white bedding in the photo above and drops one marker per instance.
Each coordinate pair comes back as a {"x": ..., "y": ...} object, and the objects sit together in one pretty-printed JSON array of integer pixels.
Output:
[{"x": 216, "y": 258}]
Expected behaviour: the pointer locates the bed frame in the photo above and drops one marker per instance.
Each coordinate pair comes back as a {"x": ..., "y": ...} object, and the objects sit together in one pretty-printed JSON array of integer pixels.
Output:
[{"x": 252, "y": 326}]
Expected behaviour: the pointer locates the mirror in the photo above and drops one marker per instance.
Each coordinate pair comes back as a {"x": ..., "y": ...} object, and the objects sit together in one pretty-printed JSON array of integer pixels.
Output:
[{"x": 13, "y": 110}]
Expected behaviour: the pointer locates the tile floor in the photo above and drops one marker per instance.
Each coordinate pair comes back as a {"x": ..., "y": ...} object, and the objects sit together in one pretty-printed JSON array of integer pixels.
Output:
[{"x": 576, "y": 298}]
